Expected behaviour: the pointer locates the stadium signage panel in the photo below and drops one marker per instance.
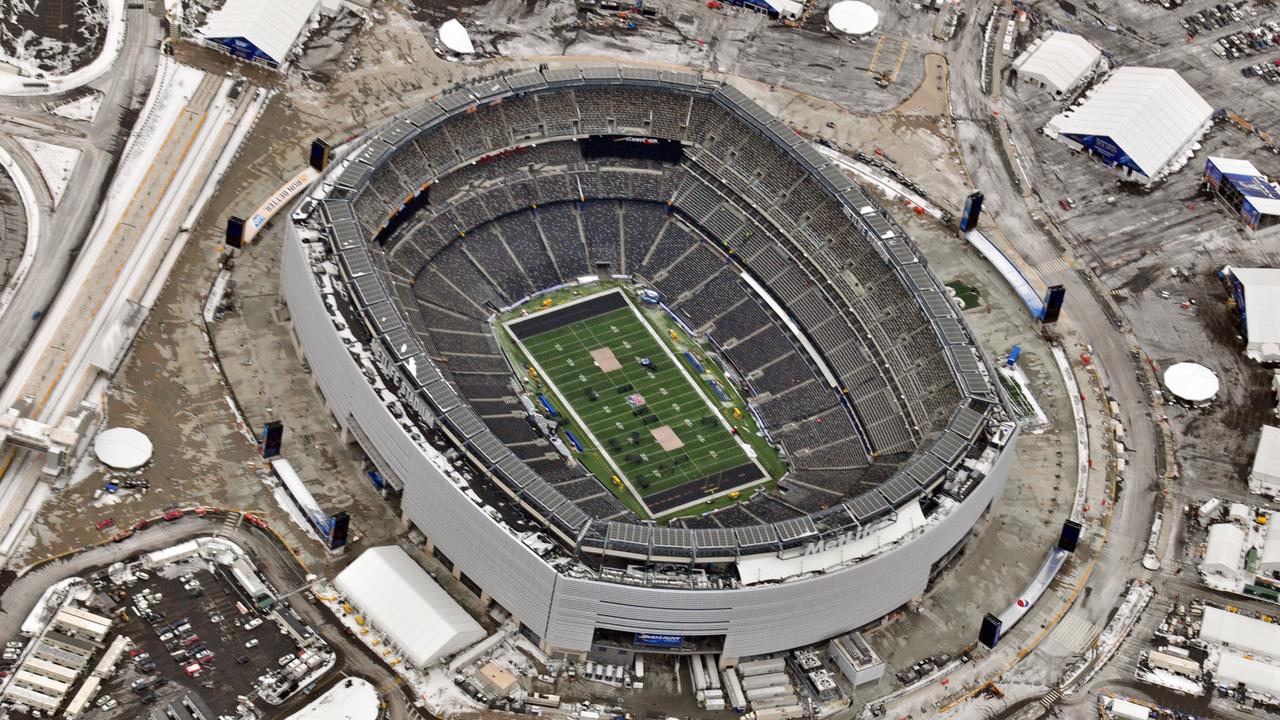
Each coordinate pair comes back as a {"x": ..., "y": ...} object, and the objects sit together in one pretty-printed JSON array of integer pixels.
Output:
[
  {"x": 668, "y": 641},
  {"x": 277, "y": 201},
  {"x": 819, "y": 546},
  {"x": 405, "y": 390}
]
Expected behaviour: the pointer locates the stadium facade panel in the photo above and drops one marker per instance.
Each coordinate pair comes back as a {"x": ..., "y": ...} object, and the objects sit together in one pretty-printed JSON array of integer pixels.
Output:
[{"x": 568, "y": 573}]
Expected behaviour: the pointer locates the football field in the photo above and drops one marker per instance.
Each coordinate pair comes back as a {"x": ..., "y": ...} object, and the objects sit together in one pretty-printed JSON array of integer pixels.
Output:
[{"x": 631, "y": 402}]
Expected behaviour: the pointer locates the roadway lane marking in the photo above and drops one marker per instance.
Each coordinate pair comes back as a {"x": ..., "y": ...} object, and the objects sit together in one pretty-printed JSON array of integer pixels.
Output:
[{"x": 186, "y": 148}]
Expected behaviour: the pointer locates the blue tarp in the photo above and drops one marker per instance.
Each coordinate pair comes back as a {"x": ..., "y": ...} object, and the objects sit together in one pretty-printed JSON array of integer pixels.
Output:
[
  {"x": 573, "y": 439},
  {"x": 546, "y": 404}
]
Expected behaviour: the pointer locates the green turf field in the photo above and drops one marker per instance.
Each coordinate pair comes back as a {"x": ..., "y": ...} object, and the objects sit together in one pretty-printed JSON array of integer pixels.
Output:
[{"x": 625, "y": 410}]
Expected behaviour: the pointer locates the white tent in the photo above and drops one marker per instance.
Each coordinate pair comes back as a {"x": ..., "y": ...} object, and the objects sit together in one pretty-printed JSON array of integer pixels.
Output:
[
  {"x": 401, "y": 600},
  {"x": 1264, "y": 478},
  {"x": 1122, "y": 709},
  {"x": 1269, "y": 561},
  {"x": 1224, "y": 550},
  {"x": 1258, "y": 677},
  {"x": 122, "y": 448},
  {"x": 852, "y": 17},
  {"x": 1261, "y": 311},
  {"x": 270, "y": 27},
  {"x": 1191, "y": 382},
  {"x": 1150, "y": 116},
  {"x": 455, "y": 38},
  {"x": 1058, "y": 61},
  {"x": 1240, "y": 633}
]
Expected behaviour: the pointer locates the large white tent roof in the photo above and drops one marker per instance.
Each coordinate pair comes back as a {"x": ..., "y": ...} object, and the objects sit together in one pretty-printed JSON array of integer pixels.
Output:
[
  {"x": 1240, "y": 633},
  {"x": 1151, "y": 113},
  {"x": 1191, "y": 382},
  {"x": 1262, "y": 311},
  {"x": 272, "y": 26},
  {"x": 853, "y": 17},
  {"x": 1266, "y": 461},
  {"x": 1257, "y": 676},
  {"x": 1059, "y": 59},
  {"x": 352, "y": 699},
  {"x": 122, "y": 448},
  {"x": 402, "y": 601}
]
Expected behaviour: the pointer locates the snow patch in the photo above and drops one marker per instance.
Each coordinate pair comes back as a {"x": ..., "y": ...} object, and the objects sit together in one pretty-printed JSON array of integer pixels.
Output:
[
  {"x": 84, "y": 108},
  {"x": 1164, "y": 678},
  {"x": 56, "y": 164},
  {"x": 62, "y": 78},
  {"x": 353, "y": 699},
  {"x": 36, "y": 56}
]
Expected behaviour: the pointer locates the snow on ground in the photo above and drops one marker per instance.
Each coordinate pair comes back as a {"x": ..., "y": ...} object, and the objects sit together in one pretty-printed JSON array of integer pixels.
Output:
[
  {"x": 59, "y": 82},
  {"x": 85, "y": 108},
  {"x": 352, "y": 699},
  {"x": 55, "y": 162},
  {"x": 53, "y": 599},
  {"x": 173, "y": 87},
  {"x": 1164, "y": 678},
  {"x": 36, "y": 56},
  {"x": 291, "y": 509}
]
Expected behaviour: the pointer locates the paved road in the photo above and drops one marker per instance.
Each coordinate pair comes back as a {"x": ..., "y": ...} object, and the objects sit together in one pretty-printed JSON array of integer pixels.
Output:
[
  {"x": 1011, "y": 219},
  {"x": 1086, "y": 320},
  {"x": 63, "y": 231}
]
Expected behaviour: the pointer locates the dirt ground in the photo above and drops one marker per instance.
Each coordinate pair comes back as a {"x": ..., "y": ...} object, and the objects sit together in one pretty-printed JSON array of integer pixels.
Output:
[{"x": 171, "y": 389}]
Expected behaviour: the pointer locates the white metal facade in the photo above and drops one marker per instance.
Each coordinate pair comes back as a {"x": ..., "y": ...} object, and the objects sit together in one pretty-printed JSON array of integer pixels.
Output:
[{"x": 566, "y": 605}]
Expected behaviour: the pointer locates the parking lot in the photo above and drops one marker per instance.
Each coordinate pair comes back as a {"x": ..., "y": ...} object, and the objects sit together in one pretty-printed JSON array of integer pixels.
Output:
[{"x": 192, "y": 630}]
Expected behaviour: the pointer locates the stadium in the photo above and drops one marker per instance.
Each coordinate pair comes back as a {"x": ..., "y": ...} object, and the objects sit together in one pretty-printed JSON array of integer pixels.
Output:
[{"x": 648, "y": 371}]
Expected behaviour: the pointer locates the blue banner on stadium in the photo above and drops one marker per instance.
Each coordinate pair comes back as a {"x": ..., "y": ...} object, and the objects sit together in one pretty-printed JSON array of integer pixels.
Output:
[{"x": 668, "y": 641}]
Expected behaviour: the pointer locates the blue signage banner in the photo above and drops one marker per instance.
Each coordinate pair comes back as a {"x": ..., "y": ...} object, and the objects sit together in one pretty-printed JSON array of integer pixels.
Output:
[
  {"x": 1253, "y": 186},
  {"x": 1106, "y": 149},
  {"x": 668, "y": 641}
]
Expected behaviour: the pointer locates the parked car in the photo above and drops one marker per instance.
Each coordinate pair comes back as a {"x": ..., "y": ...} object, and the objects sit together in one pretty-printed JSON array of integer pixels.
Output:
[{"x": 105, "y": 523}]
